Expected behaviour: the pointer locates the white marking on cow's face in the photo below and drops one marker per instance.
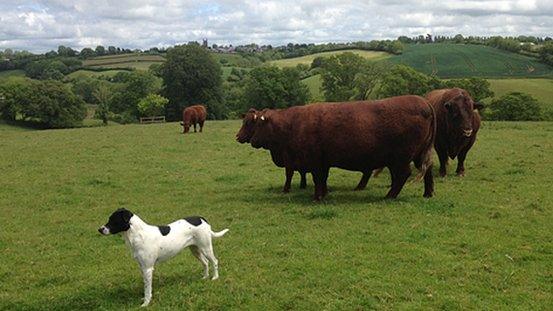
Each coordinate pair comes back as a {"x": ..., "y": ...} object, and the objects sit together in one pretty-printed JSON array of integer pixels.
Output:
[
  {"x": 254, "y": 116},
  {"x": 467, "y": 133},
  {"x": 262, "y": 118}
]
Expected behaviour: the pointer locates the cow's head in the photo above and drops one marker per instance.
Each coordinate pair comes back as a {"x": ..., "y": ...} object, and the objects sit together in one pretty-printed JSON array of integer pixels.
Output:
[
  {"x": 264, "y": 130},
  {"x": 118, "y": 221},
  {"x": 460, "y": 112},
  {"x": 248, "y": 126},
  {"x": 186, "y": 127}
]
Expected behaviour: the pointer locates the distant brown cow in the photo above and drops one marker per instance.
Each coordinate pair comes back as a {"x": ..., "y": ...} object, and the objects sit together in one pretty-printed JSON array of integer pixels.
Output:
[
  {"x": 458, "y": 123},
  {"x": 193, "y": 115},
  {"x": 357, "y": 136}
]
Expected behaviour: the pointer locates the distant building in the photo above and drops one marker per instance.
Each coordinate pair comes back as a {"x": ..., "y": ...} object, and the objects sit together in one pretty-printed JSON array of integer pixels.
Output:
[{"x": 204, "y": 43}]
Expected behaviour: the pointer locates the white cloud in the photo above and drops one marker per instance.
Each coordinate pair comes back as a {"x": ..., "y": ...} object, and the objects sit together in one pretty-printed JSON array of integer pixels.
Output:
[{"x": 43, "y": 25}]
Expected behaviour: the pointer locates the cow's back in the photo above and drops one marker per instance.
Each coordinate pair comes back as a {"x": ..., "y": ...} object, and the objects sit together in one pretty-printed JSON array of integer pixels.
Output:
[{"x": 360, "y": 135}]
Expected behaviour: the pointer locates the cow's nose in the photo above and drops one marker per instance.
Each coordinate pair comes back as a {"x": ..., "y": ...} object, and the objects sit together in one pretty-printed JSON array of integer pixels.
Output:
[{"x": 467, "y": 133}]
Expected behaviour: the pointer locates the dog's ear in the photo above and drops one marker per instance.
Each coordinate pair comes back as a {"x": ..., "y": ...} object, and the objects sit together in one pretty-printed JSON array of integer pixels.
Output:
[{"x": 125, "y": 214}]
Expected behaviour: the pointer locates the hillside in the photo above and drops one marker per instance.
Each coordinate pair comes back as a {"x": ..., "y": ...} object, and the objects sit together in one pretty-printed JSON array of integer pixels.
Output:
[
  {"x": 138, "y": 61},
  {"x": 541, "y": 89},
  {"x": 464, "y": 60},
  {"x": 308, "y": 59}
]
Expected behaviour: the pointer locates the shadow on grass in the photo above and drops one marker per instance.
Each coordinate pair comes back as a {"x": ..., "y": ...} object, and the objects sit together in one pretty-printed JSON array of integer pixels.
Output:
[{"x": 120, "y": 296}]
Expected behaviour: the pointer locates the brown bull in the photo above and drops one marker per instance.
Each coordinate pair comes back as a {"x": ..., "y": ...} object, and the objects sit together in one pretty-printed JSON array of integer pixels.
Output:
[
  {"x": 357, "y": 136},
  {"x": 193, "y": 115},
  {"x": 458, "y": 124}
]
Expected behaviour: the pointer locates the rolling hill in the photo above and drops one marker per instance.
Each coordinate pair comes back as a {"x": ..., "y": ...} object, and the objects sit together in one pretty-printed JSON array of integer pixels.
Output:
[
  {"x": 464, "y": 60},
  {"x": 308, "y": 59},
  {"x": 137, "y": 61}
]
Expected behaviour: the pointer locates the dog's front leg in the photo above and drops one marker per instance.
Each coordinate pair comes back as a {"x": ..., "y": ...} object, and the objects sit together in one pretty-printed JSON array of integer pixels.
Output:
[{"x": 147, "y": 273}]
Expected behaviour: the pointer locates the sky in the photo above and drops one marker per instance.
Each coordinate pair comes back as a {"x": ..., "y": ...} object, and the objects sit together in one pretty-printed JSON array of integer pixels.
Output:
[{"x": 40, "y": 26}]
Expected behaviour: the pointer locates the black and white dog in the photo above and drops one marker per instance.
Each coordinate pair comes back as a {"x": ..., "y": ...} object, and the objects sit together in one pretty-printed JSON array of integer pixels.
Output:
[{"x": 152, "y": 244}]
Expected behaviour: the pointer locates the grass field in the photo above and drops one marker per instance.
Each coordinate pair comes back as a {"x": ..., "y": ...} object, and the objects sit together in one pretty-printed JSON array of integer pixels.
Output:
[
  {"x": 138, "y": 61},
  {"x": 90, "y": 73},
  {"x": 461, "y": 60},
  {"x": 12, "y": 73},
  {"x": 481, "y": 243},
  {"x": 308, "y": 59},
  {"x": 314, "y": 84},
  {"x": 541, "y": 89}
]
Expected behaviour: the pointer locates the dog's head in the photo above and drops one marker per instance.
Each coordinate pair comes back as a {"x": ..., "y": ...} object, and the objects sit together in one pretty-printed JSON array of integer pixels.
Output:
[{"x": 118, "y": 221}]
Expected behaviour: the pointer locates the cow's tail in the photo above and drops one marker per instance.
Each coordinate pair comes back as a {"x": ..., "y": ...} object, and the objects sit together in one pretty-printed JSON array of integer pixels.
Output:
[
  {"x": 425, "y": 157},
  {"x": 219, "y": 234}
]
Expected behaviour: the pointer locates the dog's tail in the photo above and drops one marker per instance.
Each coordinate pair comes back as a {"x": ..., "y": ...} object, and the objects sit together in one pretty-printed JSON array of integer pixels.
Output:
[{"x": 219, "y": 234}]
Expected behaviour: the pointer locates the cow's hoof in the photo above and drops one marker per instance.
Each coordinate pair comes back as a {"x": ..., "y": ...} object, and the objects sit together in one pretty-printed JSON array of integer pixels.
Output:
[
  {"x": 461, "y": 174},
  {"x": 285, "y": 190}
]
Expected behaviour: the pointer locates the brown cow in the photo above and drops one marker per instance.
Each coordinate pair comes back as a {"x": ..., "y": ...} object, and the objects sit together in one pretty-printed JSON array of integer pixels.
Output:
[
  {"x": 458, "y": 123},
  {"x": 279, "y": 157},
  {"x": 357, "y": 136},
  {"x": 193, "y": 115}
]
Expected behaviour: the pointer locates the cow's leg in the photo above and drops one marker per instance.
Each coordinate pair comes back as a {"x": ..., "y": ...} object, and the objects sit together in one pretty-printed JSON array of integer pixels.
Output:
[
  {"x": 303, "y": 182},
  {"x": 399, "y": 177},
  {"x": 364, "y": 180},
  {"x": 325, "y": 178},
  {"x": 442, "y": 156},
  {"x": 201, "y": 126},
  {"x": 194, "y": 127},
  {"x": 288, "y": 182},
  {"x": 319, "y": 179},
  {"x": 428, "y": 183},
  {"x": 462, "y": 156}
]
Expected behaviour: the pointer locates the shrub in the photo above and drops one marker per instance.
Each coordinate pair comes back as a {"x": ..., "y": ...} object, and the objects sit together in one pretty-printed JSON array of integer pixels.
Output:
[
  {"x": 152, "y": 105},
  {"x": 515, "y": 106}
]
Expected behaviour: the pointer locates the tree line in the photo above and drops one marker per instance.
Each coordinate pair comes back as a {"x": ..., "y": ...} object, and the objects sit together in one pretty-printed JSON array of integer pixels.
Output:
[{"x": 191, "y": 75}]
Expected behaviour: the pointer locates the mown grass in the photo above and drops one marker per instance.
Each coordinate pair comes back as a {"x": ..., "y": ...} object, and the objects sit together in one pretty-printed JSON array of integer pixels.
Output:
[
  {"x": 540, "y": 89},
  {"x": 308, "y": 59},
  {"x": 465, "y": 60},
  {"x": 90, "y": 73},
  {"x": 137, "y": 61},
  {"x": 12, "y": 73},
  {"x": 483, "y": 242}
]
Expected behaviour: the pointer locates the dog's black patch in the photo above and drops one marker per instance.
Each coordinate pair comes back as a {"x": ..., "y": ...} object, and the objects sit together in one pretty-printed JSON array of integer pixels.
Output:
[
  {"x": 164, "y": 230},
  {"x": 195, "y": 220},
  {"x": 119, "y": 221}
]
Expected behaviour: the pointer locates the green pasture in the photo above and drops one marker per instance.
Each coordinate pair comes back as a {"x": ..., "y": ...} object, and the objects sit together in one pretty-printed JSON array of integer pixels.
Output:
[
  {"x": 308, "y": 59},
  {"x": 12, "y": 73},
  {"x": 484, "y": 242},
  {"x": 137, "y": 61},
  {"x": 465, "y": 60},
  {"x": 541, "y": 89}
]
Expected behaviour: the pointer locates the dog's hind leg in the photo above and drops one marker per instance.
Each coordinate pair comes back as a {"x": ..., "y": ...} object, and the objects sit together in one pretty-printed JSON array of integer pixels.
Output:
[
  {"x": 202, "y": 259},
  {"x": 207, "y": 251},
  {"x": 147, "y": 273}
]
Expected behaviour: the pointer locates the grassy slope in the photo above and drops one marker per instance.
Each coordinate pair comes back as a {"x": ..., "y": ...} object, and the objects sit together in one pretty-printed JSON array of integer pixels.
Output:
[
  {"x": 89, "y": 73},
  {"x": 481, "y": 243},
  {"x": 459, "y": 60},
  {"x": 138, "y": 61},
  {"x": 12, "y": 73},
  {"x": 541, "y": 89},
  {"x": 308, "y": 59}
]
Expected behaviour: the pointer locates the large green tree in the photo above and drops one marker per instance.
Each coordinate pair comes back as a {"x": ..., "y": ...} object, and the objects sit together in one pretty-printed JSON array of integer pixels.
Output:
[
  {"x": 272, "y": 87},
  {"x": 338, "y": 75},
  {"x": 404, "y": 80},
  {"x": 192, "y": 76}
]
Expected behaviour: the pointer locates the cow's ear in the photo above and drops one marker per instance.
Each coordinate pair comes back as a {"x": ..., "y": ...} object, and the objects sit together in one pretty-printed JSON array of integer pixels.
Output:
[
  {"x": 447, "y": 105},
  {"x": 242, "y": 116},
  {"x": 478, "y": 105}
]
